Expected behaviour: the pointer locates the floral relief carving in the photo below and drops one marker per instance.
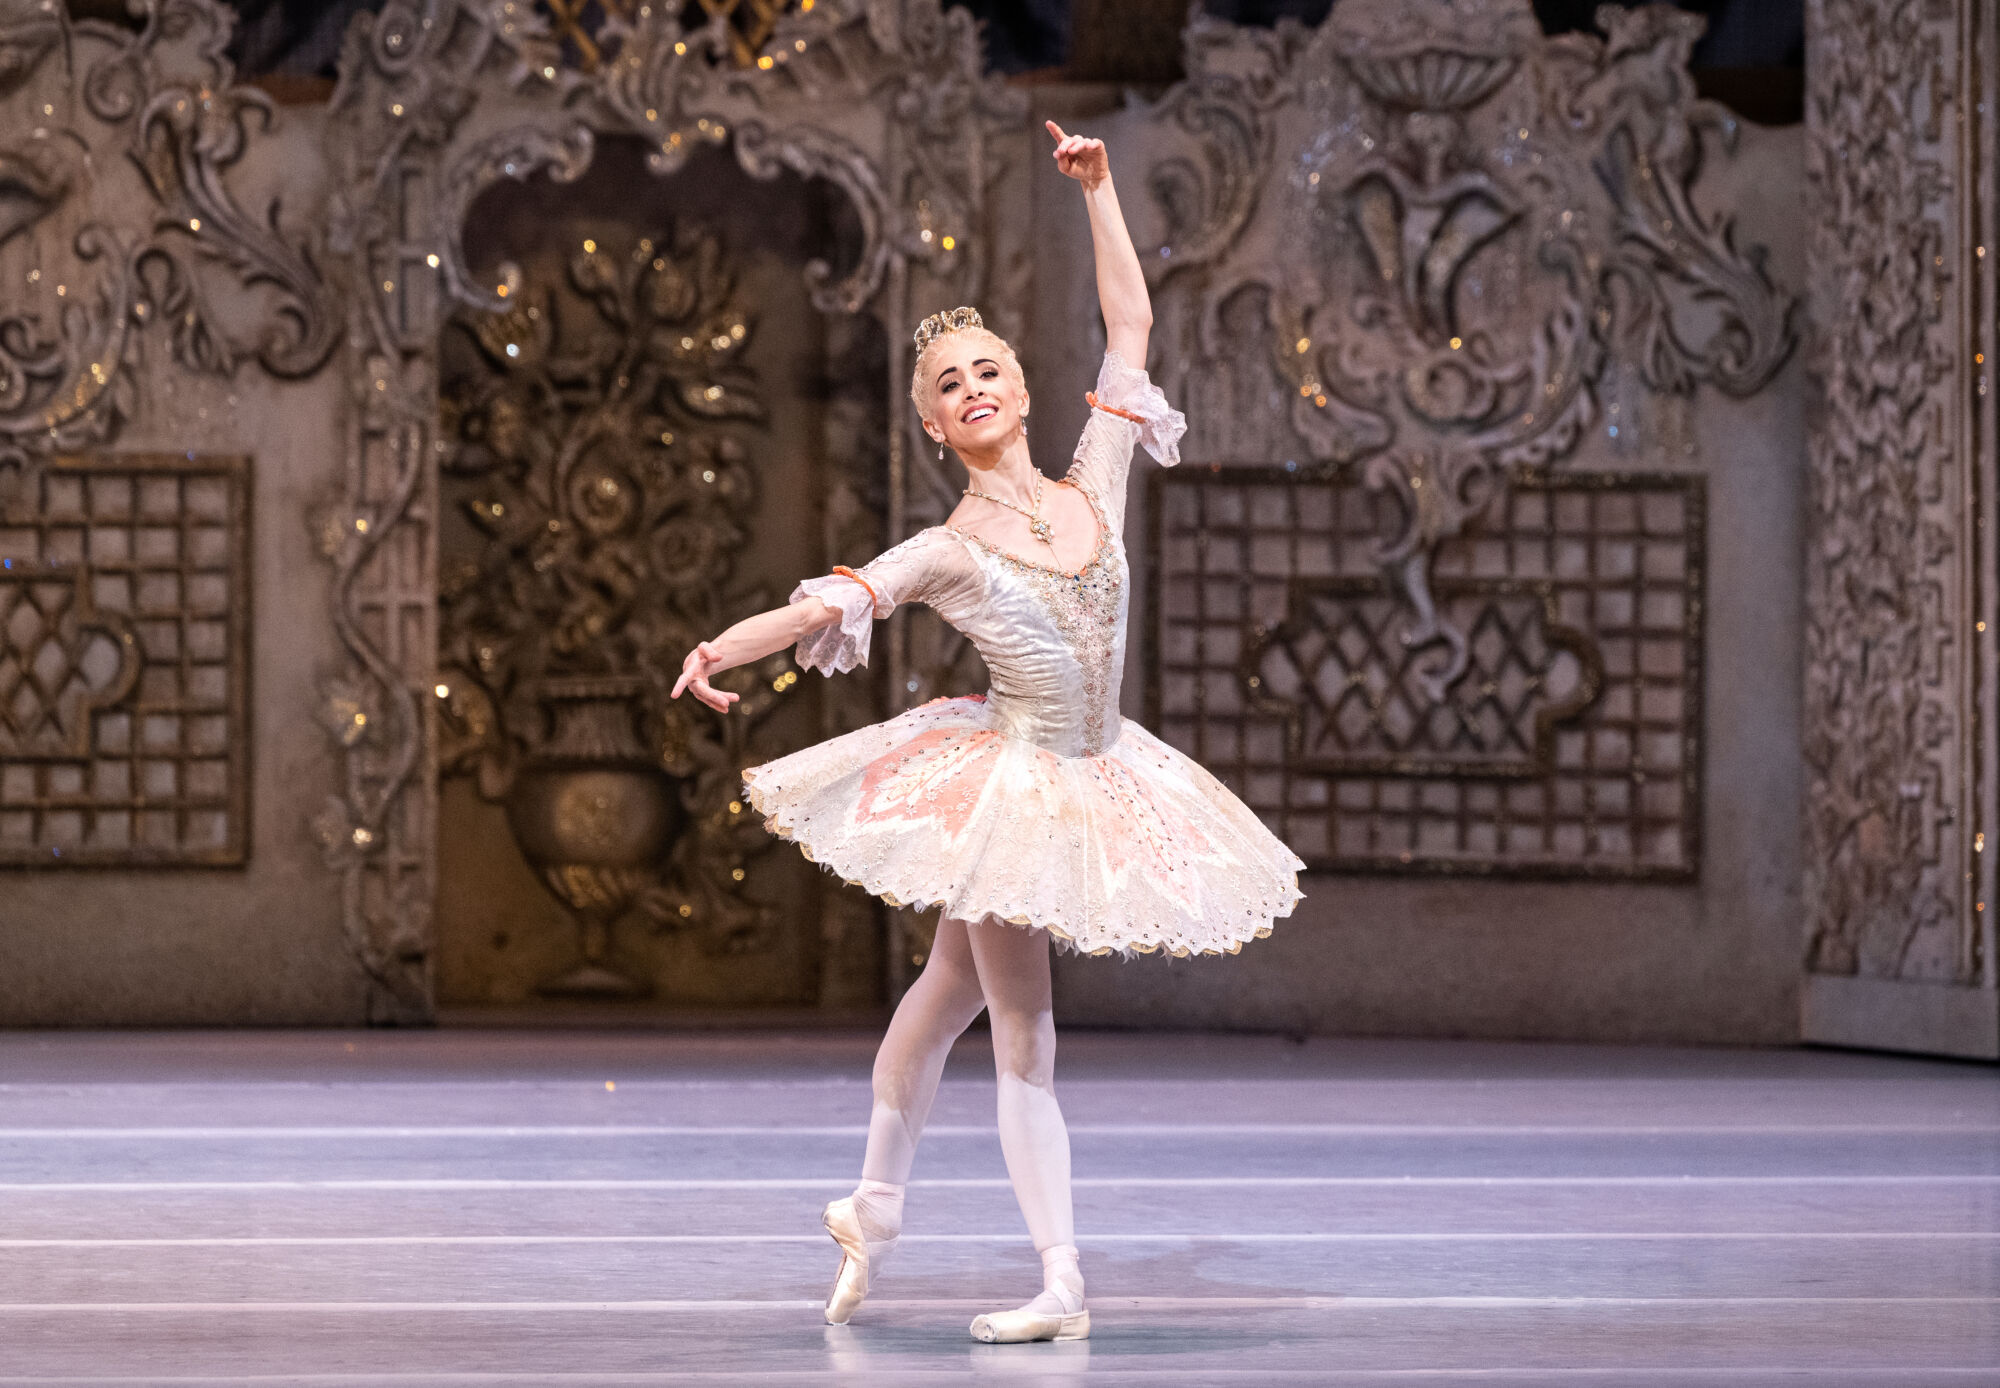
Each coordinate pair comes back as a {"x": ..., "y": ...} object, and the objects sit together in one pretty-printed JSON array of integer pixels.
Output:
[
  {"x": 1886, "y": 740},
  {"x": 610, "y": 510}
]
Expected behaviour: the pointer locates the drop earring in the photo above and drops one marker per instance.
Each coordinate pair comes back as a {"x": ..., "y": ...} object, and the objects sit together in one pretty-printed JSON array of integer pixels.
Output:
[{"x": 940, "y": 450}]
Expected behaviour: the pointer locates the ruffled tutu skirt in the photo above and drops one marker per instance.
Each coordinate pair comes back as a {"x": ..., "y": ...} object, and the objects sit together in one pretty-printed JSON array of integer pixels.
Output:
[{"x": 1132, "y": 850}]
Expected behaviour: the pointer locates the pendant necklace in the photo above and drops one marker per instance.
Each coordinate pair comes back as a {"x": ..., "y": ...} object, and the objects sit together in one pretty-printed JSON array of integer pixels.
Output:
[{"x": 1036, "y": 525}]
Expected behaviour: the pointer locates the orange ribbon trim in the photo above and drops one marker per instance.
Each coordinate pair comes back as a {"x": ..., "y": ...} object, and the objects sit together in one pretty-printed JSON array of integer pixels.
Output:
[
  {"x": 1090, "y": 396},
  {"x": 846, "y": 572}
]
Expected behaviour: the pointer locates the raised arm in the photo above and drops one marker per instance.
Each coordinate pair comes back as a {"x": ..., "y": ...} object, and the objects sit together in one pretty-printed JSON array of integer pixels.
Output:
[{"x": 1121, "y": 284}]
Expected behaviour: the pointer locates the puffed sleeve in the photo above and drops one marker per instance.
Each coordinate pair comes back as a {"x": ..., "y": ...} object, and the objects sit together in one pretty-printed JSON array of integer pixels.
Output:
[
  {"x": 917, "y": 570},
  {"x": 1126, "y": 409}
]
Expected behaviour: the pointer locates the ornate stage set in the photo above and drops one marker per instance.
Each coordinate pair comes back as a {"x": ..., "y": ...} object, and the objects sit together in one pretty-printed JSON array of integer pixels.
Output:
[{"x": 1583, "y": 556}]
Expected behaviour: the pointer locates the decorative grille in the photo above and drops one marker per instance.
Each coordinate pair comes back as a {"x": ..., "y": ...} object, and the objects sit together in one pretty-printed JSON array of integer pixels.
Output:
[
  {"x": 123, "y": 631},
  {"x": 1570, "y": 746}
]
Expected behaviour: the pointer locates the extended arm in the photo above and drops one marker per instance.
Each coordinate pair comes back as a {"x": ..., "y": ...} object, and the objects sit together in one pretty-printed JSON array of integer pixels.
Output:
[
  {"x": 1121, "y": 284},
  {"x": 749, "y": 640},
  {"x": 836, "y": 611}
]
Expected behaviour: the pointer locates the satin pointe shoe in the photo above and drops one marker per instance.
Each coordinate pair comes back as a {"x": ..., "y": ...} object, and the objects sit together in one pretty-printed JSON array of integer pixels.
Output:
[
  {"x": 1057, "y": 1314},
  {"x": 860, "y": 1256},
  {"x": 1027, "y": 1324}
]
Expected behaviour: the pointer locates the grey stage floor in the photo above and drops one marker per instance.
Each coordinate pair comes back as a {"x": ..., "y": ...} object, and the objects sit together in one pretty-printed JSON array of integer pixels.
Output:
[{"x": 484, "y": 1208}]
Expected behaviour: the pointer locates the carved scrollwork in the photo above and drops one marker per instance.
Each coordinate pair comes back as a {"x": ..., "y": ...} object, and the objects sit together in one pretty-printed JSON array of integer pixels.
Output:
[
  {"x": 27, "y": 36},
  {"x": 174, "y": 114},
  {"x": 816, "y": 154},
  {"x": 34, "y": 177},
  {"x": 189, "y": 124},
  {"x": 70, "y": 389},
  {"x": 1488, "y": 219},
  {"x": 515, "y": 154},
  {"x": 1209, "y": 193}
]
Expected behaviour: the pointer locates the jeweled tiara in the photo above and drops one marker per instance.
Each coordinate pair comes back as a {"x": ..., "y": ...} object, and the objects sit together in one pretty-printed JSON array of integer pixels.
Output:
[{"x": 950, "y": 321}]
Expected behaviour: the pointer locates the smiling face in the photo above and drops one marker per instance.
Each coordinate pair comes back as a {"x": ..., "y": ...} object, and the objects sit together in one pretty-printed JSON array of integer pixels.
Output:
[{"x": 969, "y": 390}]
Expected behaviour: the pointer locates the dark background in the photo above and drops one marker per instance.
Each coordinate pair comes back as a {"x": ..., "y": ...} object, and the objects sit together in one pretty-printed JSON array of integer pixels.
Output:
[{"x": 1752, "y": 55}]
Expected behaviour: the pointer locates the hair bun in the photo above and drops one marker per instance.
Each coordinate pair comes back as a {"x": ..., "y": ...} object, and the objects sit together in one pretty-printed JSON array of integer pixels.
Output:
[{"x": 950, "y": 321}]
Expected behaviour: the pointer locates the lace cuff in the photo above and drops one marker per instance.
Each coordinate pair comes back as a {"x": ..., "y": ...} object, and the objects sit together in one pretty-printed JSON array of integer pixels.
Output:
[
  {"x": 842, "y": 645},
  {"x": 1128, "y": 391}
]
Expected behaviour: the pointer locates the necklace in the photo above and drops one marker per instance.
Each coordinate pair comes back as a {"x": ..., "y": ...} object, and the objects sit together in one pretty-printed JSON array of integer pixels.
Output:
[{"x": 1036, "y": 525}]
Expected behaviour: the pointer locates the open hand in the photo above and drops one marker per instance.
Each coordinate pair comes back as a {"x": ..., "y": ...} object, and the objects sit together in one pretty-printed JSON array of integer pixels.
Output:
[
  {"x": 703, "y": 661},
  {"x": 1080, "y": 157}
]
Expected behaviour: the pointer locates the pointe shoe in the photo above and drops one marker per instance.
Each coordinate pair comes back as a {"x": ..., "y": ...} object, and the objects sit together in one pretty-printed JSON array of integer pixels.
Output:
[
  {"x": 1057, "y": 1314},
  {"x": 1025, "y": 1325},
  {"x": 860, "y": 1255}
]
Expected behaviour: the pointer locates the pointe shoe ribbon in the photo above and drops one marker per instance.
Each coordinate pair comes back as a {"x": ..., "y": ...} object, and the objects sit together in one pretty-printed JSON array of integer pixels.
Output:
[{"x": 860, "y": 1255}]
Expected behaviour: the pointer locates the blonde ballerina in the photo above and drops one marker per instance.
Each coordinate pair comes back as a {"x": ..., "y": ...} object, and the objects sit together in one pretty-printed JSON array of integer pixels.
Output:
[{"x": 1032, "y": 811}]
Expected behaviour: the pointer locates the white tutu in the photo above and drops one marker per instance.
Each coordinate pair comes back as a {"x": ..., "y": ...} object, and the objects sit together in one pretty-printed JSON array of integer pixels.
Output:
[{"x": 1134, "y": 849}]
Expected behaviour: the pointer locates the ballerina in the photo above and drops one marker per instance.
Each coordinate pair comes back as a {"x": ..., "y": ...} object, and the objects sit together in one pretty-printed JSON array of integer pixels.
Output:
[{"x": 1032, "y": 811}]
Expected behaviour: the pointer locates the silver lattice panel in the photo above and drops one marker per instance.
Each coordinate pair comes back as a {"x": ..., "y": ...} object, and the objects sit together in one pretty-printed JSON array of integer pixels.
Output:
[
  {"x": 1568, "y": 746},
  {"x": 123, "y": 628}
]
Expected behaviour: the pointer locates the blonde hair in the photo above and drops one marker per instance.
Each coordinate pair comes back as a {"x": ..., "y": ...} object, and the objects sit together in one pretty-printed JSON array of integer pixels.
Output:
[{"x": 922, "y": 387}]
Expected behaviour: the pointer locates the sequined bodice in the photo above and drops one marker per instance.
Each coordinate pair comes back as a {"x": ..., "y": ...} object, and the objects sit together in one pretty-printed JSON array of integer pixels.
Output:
[{"x": 1053, "y": 642}]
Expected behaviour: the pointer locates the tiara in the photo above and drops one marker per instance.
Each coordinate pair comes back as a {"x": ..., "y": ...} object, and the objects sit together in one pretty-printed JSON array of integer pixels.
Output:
[{"x": 951, "y": 321}]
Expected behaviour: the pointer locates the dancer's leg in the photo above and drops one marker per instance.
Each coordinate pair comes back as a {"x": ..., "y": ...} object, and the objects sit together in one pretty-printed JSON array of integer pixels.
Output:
[
  {"x": 1013, "y": 965},
  {"x": 940, "y": 1004}
]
